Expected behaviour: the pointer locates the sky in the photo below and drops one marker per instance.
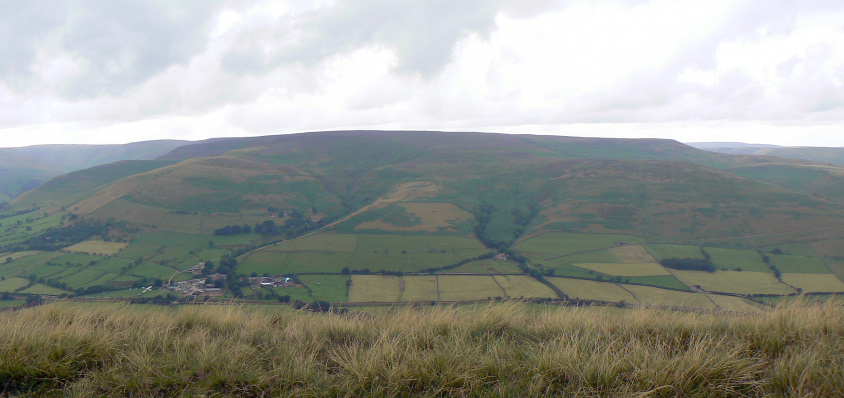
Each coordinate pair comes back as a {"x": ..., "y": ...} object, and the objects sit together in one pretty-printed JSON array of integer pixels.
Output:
[{"x": 103, "y": 71}]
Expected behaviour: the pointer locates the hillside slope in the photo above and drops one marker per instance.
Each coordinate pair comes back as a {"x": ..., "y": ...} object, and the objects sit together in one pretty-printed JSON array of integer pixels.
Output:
[
  {"x": 22, "y": 169},
  {"x": 427, "y": 211}
]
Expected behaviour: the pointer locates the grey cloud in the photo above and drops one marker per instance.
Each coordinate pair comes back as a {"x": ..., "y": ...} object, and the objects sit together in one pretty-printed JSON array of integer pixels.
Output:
[
  {"x": 423, "y": 33},
  {"x": 121, "y": 43},
  {"x": 22, "y": 25}
]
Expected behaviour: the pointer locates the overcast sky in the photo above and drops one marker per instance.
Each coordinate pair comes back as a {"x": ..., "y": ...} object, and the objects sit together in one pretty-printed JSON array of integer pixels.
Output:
[{"x": 104, "y": 71}]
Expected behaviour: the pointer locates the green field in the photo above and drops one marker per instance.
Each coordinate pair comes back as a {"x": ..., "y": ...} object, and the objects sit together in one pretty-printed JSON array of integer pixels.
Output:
[
  {"x": 333, "y": 252},
  {"x": 647, "y": 269},
  {"x": 732, "y": 303},
  {"x": 97, "y": 247},
  {"x": 557, "y": 244},
  {"x": 518, "y": 286},
  {"x": 44, "y": 289},
  {"x": 487, "y": 267},
  {"x": 592, "y": 290},
  {"x": 324, "y": 242},
  {"x": 740, "y": 282},
  {"x": 654, "y": 296},
  {"x": 598, "y": 256},
  {"x": 799, "y": 264},
  {"x": 17, "y": 255},
  {"x": 814, "y": 283},
  {"x": 378, "y": 288},
  {"x": 468, "y": 287},
  {"x": 731, "y": 260},
  {"x": 331, "y": 288},
  {"x": 374, "y": 288},
  {"x": 419, "y": 288},
  {"x": 661, "y": 252},
  {"x": 11, "y": 303},
  {"x": 10, "y": 285},
  {"x": 666, "y": 281}
]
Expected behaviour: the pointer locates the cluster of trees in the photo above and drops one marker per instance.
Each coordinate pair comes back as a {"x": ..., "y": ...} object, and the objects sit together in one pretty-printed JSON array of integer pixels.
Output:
[
  {"x": 233, "y": 230},
  {"x": 296, "y": 224},
  {"x": 694, "y": 264},
  {"x": 60, "y": 237},
  {"x": 483, "y": 215},
  {"x": 15, "y": 213}
]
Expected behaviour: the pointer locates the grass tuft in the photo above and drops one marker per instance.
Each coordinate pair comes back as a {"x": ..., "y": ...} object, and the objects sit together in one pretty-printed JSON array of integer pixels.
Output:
[{"x": 502, "y": 349}]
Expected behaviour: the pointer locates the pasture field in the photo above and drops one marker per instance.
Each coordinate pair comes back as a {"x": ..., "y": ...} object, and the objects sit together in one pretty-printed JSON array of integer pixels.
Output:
[
  {"x": 732, "y": 303},
  {"x": 11, "y": 303},
  {"x": 16, "y": 255},
  {"x": 488, "y": 266},
  {"x": 746, "y": 260},
  {"x": 615, "y": 269},
  {"x": 517, "y": 286},
  {"x": 661, "y": 252},
  {"x": 141, "y": 214},
  {"x": 324, "y": 242},
  {"x": 570, "y": 270},
  {"x": 305, "y": 262},
  {"x": 468, "y": 287},
  {"x": 181, "y": 250},
  {"x": 427, "y": 216},
  {"x": 419, "y": 288},
  {"x": 632, "y": 254},
  {"x": 392, "y": 261},
  {"x": 606, "y": 256},
  {"x": 374, "y": 288},
  {"x": 558, "y": 244},
  {"x": 796, "y": 249},
  {"x": 12, "y": 233},
  {"x": 331, "y": 288},
  {"x": 85, "y": 277},
  {"x": 23, "y": 265},
  {"x": 798, "y": 264},
  {"x": 295, "y": 293},
  {"x": 666, "y": 281},
  {"x": 648, "y": 295},
  {"x": 261, "y": 262},
  {"x": 10, "y": 285},
  {"x": 836, "y": 266},
  {"x": 593, "y": 290},
  {"x": 814, "y": 283},
  {"x": 830, "y": 248},
  {"x": 127, "y": 293},
  {"x": 97, "y": 247},
  {"x": 740, "y": 282},
  {"x": 329, "y": 252},
  {"x": 44, "y": 289},
  {"x": 150, "y": 270}
]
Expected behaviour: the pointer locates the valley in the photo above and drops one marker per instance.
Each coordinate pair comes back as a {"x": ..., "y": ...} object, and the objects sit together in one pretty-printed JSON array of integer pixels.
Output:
[{"x": 374, "y": 217}]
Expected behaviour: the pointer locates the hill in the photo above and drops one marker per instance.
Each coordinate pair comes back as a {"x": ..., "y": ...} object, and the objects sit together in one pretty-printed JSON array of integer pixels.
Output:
[
  {"x": 22, "y": 169},
  {"x": 814, "y": 154},
  {"x": 377, "y": 216}
]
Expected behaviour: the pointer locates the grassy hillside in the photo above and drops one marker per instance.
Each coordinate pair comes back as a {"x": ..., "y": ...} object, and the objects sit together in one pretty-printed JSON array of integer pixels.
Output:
[
  {"x": 351, "y": 205},
  {"x": 69, "y": 349},
  {"x": 815, "y": 154},
  {"x": 22, "y": 169}
]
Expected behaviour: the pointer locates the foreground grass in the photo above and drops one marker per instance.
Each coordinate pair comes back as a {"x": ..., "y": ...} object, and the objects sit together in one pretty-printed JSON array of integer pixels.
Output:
[{"x": 509, "y": 349}]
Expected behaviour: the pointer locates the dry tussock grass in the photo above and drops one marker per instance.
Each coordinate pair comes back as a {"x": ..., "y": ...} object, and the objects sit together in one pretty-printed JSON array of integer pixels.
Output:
[{"x": 509, "y": 349}]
